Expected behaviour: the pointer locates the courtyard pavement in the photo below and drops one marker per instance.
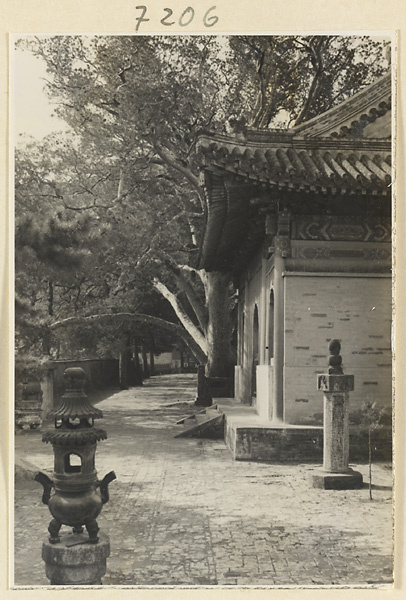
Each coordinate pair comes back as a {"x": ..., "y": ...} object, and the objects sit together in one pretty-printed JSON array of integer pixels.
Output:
[{"x": 183, "y": 513}]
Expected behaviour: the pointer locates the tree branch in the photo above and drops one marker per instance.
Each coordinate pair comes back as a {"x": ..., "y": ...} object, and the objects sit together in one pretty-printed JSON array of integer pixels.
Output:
[
  {"x": 316, "y": 56},
  {"x": 199, "y": 307},
  {"x": 170, "y": 160},
  {"x": 200, "y": 272},
  {"x": 187, "y": 323},
  {"x": 177, "y": 330}
]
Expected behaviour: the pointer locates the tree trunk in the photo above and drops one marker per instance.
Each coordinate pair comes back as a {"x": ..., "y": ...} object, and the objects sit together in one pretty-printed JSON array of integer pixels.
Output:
[
  {"x": 220, "y": 358},
  {"x": 203, "y": 397},
  {"x": 123, "y": 368},
  {"x": 195, "y": 302},
  {"x": 46, "y": 343},
  {"x": 151, "y": 363},
  {"x": 145, "y": 366},
  {"x": 370, "y": 462},
  {"x": 51, "y": 298},
  {"x": 138, "y": 369}
]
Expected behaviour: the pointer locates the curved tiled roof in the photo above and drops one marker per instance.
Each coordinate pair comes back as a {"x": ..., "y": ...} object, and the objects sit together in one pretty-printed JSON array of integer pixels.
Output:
[
  {"x": 335, "y": 165},
  {"x": 349, "y": 118},
  {"x": 343, "y": 152},
  {"x": 347, "y": 148}
]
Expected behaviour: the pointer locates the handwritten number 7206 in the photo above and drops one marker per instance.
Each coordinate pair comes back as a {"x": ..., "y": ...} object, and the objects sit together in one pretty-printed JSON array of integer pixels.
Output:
[{"x": 184, "y": 20}]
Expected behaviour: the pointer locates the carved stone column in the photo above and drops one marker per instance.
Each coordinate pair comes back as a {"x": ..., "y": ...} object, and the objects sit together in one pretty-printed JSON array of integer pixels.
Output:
[{"x": 336, "y": 474}]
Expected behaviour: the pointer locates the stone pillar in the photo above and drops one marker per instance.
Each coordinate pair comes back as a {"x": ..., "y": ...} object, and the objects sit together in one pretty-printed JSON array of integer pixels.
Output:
[
  {"x": 336, "y": 474},
  {"x": 73, "y": 561}
]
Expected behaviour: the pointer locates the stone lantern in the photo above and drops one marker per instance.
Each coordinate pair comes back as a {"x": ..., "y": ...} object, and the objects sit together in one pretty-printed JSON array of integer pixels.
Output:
[{"x": 78, "y": 495}]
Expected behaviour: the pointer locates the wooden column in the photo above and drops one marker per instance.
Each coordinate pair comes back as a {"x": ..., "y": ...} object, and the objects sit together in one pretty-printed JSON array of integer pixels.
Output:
[
  {"x": 282, "y": 248},
  {"x": 279, "y": 338},
  {"x": 263, "y": 309},
  {"x": 246, "y": 355}
]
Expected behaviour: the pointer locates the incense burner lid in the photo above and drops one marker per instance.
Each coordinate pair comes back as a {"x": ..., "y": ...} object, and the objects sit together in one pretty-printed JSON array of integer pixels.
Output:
[
  {"x": 74, "y": 403},
  {"x": 73, "y": 407},
  {"x": 80, "y": 437}
]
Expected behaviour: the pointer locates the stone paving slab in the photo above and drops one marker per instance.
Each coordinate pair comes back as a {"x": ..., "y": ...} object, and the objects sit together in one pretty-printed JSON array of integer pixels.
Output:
[{"x": 182, "y": 512}]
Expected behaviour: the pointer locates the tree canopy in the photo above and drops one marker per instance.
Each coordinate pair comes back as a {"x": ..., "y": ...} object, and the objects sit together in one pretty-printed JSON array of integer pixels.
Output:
[{"x": 109, "y": 215}]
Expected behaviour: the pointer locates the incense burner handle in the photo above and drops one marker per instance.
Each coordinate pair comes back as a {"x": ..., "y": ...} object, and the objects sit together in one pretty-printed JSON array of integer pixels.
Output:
[
  {"x": 47, "y": 484},
  {"x": 103, "y": 484}
]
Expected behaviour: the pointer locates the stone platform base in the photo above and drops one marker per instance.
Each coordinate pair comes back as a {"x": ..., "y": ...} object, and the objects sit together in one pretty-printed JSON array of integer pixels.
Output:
[
  {"x": 350, "y": 480},
  {"x": 73, "y": 561},
  {"x": 249, "y": 437}
]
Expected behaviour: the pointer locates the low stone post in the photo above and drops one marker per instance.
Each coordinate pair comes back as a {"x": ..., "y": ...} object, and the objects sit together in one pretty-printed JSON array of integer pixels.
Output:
[
  {"x": 336, "y": 474},
  {"x": 75, "y": 496}
]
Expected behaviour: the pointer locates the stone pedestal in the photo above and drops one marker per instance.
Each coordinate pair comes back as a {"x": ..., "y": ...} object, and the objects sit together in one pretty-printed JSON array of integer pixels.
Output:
[
  {"x": 351, "y": 480},
  {"x": 28, "y": 409},
  {"x": 75, "y": 561},
  {"x": 336, "y": 474}
]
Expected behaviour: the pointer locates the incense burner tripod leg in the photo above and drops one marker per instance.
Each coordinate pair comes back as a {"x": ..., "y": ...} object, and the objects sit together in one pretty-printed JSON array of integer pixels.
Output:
[
  {"x": 53, "y": 529},
  {"x": 92, "y": 529}
]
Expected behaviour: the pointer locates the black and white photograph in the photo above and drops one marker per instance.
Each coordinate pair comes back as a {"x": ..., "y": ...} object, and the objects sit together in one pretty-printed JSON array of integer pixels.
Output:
[{"x": 203, "y": 254}]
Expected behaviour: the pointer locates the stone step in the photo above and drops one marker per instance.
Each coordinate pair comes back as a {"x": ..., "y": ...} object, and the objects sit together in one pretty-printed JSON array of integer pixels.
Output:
[
  {"x": 192, "y": 417},
  {"x": 208, "y": 423}
]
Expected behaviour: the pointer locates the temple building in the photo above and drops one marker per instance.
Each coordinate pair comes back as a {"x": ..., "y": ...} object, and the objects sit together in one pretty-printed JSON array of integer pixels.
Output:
[{"x": 302, "y": 219}]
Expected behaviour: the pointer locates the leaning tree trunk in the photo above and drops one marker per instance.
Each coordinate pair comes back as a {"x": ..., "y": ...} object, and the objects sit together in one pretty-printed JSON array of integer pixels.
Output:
[{"x": 220, "y": 359}]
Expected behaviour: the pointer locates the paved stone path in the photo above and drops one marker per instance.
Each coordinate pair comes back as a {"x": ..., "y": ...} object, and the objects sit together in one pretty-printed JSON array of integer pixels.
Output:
[{"x": 182, "y": 512}]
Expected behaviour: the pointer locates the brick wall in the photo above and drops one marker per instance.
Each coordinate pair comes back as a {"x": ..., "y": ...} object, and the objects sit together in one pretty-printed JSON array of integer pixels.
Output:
[{"x": 354, "y": 309}]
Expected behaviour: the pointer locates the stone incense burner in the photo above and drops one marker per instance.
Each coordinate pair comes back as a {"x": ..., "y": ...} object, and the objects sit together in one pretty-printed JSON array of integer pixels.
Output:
[{"x": 78, "y": 495}]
